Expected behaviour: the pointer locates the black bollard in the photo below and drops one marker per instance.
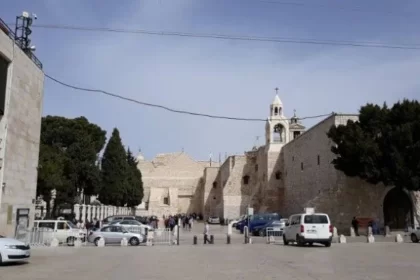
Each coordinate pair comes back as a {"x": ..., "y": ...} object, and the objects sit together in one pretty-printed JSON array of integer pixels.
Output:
[
  {"x": 195, "y": 240},
  {"x": 211, "y": 239},
  {"x": 205, "y": 238},
  {"x": 228, "y": 239}
]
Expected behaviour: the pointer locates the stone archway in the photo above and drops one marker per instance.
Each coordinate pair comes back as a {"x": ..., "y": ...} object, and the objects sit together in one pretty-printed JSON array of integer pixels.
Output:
[{"x": 398, "y": 209}]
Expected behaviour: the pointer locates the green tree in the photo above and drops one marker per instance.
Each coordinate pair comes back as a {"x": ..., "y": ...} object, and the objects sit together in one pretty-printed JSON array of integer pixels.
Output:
[
  {"x": 383, "y": 146},
  {"x": 134, "y": 183},
  {"x": 68, "y": 153},
  {"x": 114, "y": 169}
]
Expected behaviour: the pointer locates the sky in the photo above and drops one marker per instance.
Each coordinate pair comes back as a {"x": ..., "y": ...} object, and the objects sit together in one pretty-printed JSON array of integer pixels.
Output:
[{"x": 219, "y": 77}]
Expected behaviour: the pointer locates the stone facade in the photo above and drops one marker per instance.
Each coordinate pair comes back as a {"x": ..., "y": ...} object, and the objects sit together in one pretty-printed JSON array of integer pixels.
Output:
[
  {"x": 20, "y": 127},
  {"x": 291, "y": 171}
]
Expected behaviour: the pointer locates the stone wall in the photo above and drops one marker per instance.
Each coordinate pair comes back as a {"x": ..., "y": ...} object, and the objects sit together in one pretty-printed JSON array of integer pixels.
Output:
[
  {"x": 174, "y": 176},
  {"x": 312, "y": 181},
  {"x": 21, "y": 124}
]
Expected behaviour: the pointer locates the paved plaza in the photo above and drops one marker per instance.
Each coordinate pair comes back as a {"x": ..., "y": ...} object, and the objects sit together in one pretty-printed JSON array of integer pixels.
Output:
[{"x": 220, "y": 261}]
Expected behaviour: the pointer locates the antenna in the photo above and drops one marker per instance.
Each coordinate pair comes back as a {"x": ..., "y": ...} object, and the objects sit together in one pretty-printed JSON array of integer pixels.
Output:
[{"x": 23, "y": 30}]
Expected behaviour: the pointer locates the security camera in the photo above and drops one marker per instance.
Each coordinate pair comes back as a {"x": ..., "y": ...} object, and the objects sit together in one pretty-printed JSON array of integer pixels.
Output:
[
  {"x": 35, "y": 16},
  {"x": 33, "y": 48}
]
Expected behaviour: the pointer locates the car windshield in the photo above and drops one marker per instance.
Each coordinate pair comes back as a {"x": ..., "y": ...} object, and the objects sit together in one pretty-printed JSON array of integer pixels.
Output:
[
  {"x": 276, "y": 222},
  {"x": 116, "y": 222},
  {"x": 71, "y": 225}
]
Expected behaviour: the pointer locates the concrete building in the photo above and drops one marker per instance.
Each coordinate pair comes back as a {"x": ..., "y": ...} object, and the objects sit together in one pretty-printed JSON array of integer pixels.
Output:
[
  {"x": 21, "y": 95},
  {"x": 291, "y": 171}
]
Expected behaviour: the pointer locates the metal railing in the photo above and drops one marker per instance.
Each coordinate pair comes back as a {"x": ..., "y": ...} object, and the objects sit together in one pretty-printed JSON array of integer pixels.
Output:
[
  {"x": 273, "y": 235},
  {"x": 11, "y": 34},
  {"x": 46, "y": 237}
]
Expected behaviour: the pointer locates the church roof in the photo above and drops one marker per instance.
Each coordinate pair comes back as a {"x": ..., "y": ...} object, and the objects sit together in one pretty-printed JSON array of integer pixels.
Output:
[{"x": 277, "y": 100}]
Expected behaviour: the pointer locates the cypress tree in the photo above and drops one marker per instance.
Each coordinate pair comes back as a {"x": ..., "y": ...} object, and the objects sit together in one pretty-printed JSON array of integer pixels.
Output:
[
  {"x": 114, "y": 172},
  {"x": 134, "y": 183}
]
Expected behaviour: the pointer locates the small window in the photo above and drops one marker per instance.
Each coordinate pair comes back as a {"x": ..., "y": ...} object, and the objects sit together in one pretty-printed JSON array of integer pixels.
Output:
[
  {"x": 296, "y": 134},
  {"x": 246, "y": 180},
  {"x": 256, "y": 167},
  {"x": 214, "y": 185},
  {"x": 319, "y": 160},
  {"x": 166, "y": 200},
  {"x": 278, "y": 175},
  {"x": 301, "y": 166},
  {"x": 293, "y": 158},
  {"x": 50, "y": 225},
  {"x": 214, "y": 197},
  {"x": 276, "y": 111}
]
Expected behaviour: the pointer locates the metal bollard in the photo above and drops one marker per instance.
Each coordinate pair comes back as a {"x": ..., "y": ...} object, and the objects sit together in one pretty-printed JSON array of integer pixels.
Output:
[
  {"x": 211, "y": 239},
  {"x": 205, "y": 238},
  {"x": 195, "y": 240},
  {"x": 228, "y": 239}
]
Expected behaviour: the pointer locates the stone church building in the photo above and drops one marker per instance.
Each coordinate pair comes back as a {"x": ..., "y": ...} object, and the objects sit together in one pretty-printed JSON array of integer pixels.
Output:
[{"x": 291, "y": 171}]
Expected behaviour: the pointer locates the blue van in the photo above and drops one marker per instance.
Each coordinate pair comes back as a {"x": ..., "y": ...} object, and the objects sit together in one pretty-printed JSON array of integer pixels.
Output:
[{"x": 257, "y": 220}]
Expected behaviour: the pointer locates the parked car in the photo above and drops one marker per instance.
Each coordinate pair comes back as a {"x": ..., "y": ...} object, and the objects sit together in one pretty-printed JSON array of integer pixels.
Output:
[
  {"x": 213, "y": 220},
  {"x": 114, "y": 235},
  {"x": 415, "y": 236},
  {"x": 64, "y": 231},
  {"x": 12, "y": 250},
  {"x": 110, "y": 219},
  {"x": 132, "y": 226},
  {"x": 256, "y": 220},
  {"x": 308, "y": 229},
  {"x": 274, "y": 225}
]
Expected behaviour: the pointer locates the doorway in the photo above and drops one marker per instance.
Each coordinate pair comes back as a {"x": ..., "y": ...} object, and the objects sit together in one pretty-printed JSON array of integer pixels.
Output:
[{"x": 398, "y": 210}]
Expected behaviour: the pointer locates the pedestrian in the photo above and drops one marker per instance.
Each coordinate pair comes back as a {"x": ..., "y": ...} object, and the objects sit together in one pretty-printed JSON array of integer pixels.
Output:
[
  {"x": 206, "y": 233},
  {"x": 355, "y": 225}
]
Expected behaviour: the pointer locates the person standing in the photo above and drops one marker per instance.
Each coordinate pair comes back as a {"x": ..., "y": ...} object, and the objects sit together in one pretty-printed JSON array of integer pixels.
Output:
[
  {"x": 355, "y": 225},
  {"x": 206, "y": 233}
]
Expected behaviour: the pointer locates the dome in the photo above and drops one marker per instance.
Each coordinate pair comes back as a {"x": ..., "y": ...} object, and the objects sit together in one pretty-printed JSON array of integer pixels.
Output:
[
  {"x": 277, "y": 100},
  {"x": 140, "y": 157}
]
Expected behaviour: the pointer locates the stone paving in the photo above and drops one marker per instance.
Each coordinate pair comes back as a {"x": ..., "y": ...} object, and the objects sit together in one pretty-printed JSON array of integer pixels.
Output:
[{"x": 256, "y": 261}]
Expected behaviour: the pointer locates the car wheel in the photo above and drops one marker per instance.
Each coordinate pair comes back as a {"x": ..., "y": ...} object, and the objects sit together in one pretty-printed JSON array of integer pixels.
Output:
[
  {"x": 414, "y": 238},
  {"x": 328, "y": 244},
  {"x": 134, "y": 241},
  {"x": 285, "y": 242},
  {"x": 70, "y": 241},
  {"x": 1, "y": 260},
  {"x": 262, "y": 233},
  {"x": 96, "y": 241}
]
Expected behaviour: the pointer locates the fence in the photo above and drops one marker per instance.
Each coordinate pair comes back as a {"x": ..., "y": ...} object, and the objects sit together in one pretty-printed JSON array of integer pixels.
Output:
[
  {"x": 274, "y": 235},
  {"x": 36, "y": 237}
]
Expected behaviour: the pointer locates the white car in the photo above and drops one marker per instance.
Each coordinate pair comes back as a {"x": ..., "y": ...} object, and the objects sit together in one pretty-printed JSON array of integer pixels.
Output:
[
  {"x": 415, "y": 236},
  {"x": 65, "y": 231},
  {"x": 213, "y": 220},
  {"x": 133, "y": 226},
  {"x": 12, "y": 250},
  {"x": 308, "y": 229}
]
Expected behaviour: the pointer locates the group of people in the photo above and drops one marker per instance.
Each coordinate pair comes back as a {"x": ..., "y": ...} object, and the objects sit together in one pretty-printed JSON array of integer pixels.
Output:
[{"x": 187, "y": 221}]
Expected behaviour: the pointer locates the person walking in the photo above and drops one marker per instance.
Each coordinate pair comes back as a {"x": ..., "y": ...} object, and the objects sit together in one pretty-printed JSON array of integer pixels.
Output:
[{"x": 206, "y": 233}]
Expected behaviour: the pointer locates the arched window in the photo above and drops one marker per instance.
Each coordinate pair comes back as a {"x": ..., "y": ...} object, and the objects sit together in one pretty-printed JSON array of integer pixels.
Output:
[
  {"x": 276, "y": 111},
  {"x": 214, "y": 185},
  {"x": 278, "y": 175},
  {"x": 278, "y": 133}
]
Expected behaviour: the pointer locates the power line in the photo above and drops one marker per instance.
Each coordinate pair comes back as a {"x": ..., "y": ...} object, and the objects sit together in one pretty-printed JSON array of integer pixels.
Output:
[
  {"x": 232, "y": 37},
  {"x": 167, "y": 108},
  {"x": 329, "y": 6}
]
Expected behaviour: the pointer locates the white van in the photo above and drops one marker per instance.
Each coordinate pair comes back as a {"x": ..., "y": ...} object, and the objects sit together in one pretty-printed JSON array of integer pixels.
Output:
[
  {"x": 64, "y": 231},
  {"x": 308, "y": 229}
]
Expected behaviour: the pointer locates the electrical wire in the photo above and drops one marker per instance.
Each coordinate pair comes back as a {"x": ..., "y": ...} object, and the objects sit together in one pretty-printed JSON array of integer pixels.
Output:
[
  {"x": 232, "y": 37},
  {"x": 167, "y": 108}
]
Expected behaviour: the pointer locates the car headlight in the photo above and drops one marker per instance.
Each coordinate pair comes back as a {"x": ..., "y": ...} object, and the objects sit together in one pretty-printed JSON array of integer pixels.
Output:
[{"x": 10, "y": 246}]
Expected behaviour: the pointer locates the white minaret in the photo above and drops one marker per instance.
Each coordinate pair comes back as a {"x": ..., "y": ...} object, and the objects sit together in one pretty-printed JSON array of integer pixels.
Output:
[{"x": 277, "y": 126}]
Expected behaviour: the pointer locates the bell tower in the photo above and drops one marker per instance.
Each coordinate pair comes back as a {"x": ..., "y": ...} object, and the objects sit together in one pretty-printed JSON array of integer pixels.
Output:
[{"x": 277, "y": 126}]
